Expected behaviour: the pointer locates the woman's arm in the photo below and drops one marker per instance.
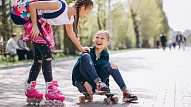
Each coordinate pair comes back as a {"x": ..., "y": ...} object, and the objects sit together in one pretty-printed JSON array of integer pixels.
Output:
[
  {"x": 72, "y": 36},
  {"x": 40, "y": 5}
]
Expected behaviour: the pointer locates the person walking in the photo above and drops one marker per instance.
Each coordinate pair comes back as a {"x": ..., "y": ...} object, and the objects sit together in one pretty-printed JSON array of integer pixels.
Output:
[
  {"x": 178, "y": 39},
  {"x": 183, "y": 42},
  {"x": 163, "y": 40}
]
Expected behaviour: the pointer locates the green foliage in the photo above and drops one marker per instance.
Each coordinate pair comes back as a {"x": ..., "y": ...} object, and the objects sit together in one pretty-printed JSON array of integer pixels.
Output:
[{"x": 150, "y": 20}]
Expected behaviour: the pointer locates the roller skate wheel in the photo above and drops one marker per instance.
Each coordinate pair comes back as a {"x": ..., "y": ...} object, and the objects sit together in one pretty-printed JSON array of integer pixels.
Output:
[
  {"x": 44, "y": 103},
  {"x": 63, "y": 104},
  {"x": 107, "y": 101},
  {"x": 28, "y": 100},
  {"x": 31, "y": 101},
  {"x": 114, "y": 100},
  {"x": 82, "y": 99},
  {"x": 58, "y": 103},
  {"x": 38, "y": 101}
]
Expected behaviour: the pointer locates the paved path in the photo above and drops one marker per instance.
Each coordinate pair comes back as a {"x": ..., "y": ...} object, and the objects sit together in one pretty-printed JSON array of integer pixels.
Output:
[{"x": 158, "y": 78}]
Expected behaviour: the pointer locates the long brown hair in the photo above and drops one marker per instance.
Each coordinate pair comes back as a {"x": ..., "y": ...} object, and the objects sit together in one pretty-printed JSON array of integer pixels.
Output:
[{"x": 78, "y": 4}]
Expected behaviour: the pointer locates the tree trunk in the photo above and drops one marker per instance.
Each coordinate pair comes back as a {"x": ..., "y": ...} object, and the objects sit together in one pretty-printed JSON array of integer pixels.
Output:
[
  {"x": 5, "y": 14},
  {"x": 136, "y": 28},
  {"x": 69, "y": 46}
]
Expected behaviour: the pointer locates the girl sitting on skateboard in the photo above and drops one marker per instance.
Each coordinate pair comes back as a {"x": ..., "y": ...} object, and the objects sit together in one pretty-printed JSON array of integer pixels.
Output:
[{"x": 92, "y": 70}]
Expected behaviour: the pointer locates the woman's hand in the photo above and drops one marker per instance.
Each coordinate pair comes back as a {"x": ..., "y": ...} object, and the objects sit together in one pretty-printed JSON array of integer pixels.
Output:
[
  {"x": 34, "y": 32},
  {"x": 88, "y": 88}
]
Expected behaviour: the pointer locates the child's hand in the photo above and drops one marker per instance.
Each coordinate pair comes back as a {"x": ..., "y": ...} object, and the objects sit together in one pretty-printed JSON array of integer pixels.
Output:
[
  {"x": 113, "y": 66},
  {"x": 88, "y": 88},
  {"x": 34, "y": 32}
]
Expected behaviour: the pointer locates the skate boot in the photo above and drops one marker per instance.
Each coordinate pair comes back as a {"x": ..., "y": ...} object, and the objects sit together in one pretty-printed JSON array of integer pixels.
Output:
[
  {"x": 56, "y": 86},
  {"x": 127, "y": 97},
  {"x": 33, "y": 96},
  {"x": 54, "y": 97},
  {"x": 102, "y": 88}
]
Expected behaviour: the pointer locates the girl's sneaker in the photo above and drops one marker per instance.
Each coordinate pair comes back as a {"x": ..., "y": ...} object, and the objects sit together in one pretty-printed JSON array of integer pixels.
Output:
[
  {"x": 102, "y": 88},
  {"x": 33, "y": 96},
  {"x": 127, "y": 97},
  {"x": 53, "y": 96}
]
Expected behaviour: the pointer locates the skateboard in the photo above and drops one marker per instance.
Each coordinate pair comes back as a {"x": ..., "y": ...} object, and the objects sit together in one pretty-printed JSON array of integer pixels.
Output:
[{"x": 110, "y": 98}]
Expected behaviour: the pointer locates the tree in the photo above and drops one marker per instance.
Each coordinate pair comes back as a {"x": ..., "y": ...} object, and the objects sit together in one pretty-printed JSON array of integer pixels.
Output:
[
  {"x": 68, "y": 44},
  {"x": 5, "y": 30},
  {"x": 101, "y": 13}
]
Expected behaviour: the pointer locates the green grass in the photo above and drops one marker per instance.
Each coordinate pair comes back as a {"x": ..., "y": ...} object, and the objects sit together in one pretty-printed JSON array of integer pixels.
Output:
[{"x": 16, "y": 61}]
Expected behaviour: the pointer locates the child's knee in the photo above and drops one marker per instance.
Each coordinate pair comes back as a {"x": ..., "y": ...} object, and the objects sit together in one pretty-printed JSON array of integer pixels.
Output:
[
  {"x": 113, "y": 66},
  {"x": 85, "y": 56},
  {"x": 49, "y": 59},
  {"x": 39, "y": 61}
]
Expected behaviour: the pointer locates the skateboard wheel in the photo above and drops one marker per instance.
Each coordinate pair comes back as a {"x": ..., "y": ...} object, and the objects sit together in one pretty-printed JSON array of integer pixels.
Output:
[
  {"x": 107, "y": 101},
  {"x": 114, "y": 100},
  {"x": 90, "y": 98},
  {"x": 82, "y": 99}
]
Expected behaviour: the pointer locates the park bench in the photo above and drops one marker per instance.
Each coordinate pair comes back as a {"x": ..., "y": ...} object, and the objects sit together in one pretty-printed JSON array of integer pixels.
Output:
[
  {"x": 5, "y": 56},
  {"x": 55, "y": 52}
]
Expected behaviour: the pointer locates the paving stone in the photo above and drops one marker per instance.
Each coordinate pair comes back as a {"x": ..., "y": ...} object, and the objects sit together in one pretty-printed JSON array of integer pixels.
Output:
[{"x": 158, "y": 78}]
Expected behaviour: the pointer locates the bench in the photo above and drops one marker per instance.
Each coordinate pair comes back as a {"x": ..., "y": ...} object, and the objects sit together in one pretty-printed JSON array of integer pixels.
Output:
[
  {"x": 5, "y": 55},
  {"x": 57, "y": 51}
]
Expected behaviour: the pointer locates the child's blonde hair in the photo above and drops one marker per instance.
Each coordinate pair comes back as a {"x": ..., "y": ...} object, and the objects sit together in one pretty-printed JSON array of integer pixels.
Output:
[{"x": 107, "y": 36}]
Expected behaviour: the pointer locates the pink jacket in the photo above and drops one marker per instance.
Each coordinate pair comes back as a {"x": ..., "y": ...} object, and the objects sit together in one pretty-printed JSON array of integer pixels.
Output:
[{"x": 47, "y": 31}]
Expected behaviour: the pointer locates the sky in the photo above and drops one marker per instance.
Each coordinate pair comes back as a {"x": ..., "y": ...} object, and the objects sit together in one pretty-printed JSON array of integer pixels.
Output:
[{"x": 178, "y": 13}]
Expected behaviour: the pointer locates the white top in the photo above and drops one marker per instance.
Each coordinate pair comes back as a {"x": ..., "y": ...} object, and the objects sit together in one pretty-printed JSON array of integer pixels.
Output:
[
  {"x": 61, "y": 19},
  {"x": 11, "y": 46}
]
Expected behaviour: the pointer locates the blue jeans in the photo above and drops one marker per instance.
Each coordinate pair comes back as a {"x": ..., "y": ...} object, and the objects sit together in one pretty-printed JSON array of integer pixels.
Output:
[
  {"x": 178, "y": 44},
  {"x": 88, "y": 71}
]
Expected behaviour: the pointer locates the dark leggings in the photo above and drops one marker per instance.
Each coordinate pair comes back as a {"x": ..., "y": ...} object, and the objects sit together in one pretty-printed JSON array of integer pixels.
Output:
[{"x": 42, "y": 52}]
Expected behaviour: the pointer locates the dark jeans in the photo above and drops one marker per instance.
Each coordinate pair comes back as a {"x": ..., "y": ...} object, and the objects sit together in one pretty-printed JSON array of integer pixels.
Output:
[
  {"x": 22, "y": 53},
  {"x": 88, "y": 71},
  {"x": 42, "y": 52}
]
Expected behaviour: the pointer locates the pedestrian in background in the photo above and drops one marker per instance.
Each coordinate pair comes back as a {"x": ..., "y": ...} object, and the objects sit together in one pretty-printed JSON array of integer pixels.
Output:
[
  {"x": 157, "y": 42},
  {"x": 178, "y": 39},
  {"x": 170, "y": 44},
  {"x": 183, "y": 42},
  {"x": 163, "y": 40}
]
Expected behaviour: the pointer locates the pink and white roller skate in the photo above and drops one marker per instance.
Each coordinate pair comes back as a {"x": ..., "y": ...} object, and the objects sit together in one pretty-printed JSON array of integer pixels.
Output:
[
  {"x": 54, "y": 97},
  {"x": 34, "y": 97}
]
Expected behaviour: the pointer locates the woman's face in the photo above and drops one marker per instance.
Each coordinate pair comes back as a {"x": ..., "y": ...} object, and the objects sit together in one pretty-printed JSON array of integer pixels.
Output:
[
  {"x": 101, "y": 41},
  {"x": 84, "y": 11}
]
